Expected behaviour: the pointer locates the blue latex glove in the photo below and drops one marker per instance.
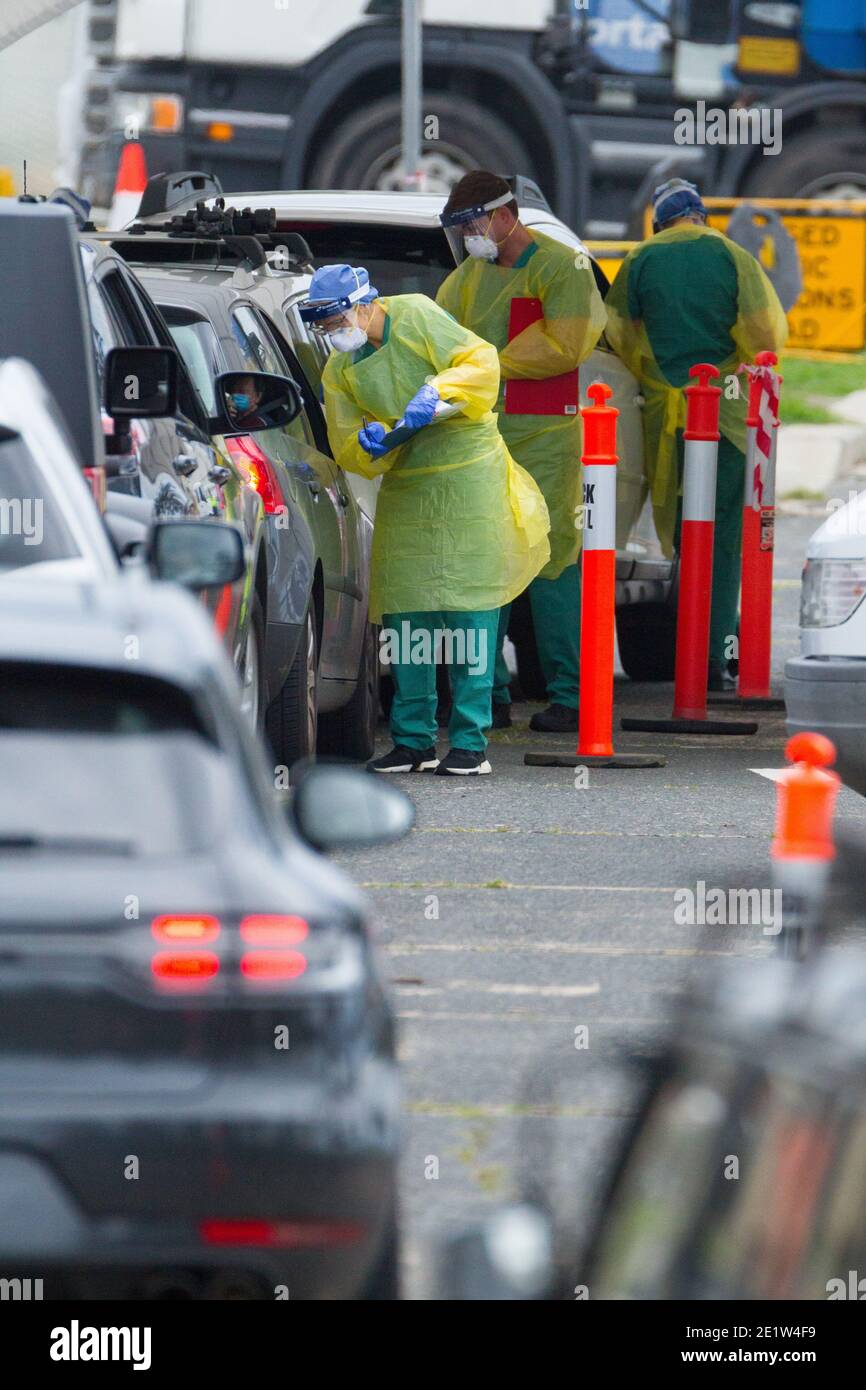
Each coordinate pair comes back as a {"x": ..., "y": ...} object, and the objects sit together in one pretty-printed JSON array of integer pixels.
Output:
[
  {"x": 370, "y": 439},
  {"x": 421, "y": 408}
]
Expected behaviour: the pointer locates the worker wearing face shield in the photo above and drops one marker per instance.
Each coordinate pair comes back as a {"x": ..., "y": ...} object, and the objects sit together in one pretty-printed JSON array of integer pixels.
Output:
[
  {"x": 500, "y": 261},
  {"x": 460, "y": 528}
]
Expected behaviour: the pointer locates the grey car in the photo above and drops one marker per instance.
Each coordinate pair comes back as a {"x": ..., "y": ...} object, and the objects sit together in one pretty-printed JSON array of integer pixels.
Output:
[{"x": 189, "y": 993}]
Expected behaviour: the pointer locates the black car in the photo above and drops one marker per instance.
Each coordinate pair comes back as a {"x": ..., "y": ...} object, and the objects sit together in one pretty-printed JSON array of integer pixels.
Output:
[{"x": 198, "y": 1088}]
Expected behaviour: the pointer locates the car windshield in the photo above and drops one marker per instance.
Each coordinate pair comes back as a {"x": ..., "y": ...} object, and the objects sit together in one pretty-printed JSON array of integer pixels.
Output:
[
  {"x": 32, "y": 527},
  {"x": 103, "y": 763}
]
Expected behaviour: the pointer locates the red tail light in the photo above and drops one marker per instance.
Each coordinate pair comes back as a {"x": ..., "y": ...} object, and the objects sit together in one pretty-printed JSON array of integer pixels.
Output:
[
  {"x": 96, "y": 478},
  {"x": 185, "y": 969},
  {"x": 281, "y": 1233},
  {"x": 258, "y": 470},
  {"x": 265, "y": 966},
  {"x": 195, "y": 927},
  {"x": 266, "y": 929}
]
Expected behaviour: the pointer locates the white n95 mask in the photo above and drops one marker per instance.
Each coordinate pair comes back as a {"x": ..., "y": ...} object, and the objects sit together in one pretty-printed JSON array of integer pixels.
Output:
[
  {"x": 348, "y": 339},
  {"x": 482, "y": 248}
]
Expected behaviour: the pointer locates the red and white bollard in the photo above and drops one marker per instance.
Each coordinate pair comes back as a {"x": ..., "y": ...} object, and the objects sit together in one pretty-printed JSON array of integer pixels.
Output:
[
  {"x": 696, "y": 568},
  {"x": 598, "y": 598},
  {"x": 759, "y": 514}
]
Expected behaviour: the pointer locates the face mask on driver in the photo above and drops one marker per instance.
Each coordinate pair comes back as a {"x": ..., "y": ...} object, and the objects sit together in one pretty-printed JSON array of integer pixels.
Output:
[{"x": 241, "y": 401}]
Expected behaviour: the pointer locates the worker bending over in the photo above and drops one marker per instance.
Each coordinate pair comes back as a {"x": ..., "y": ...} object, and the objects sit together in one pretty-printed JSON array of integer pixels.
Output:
[
  {"x": 500, "y": 260},
  {"x": 690, "y": 295},
  {"x": 460, "y": 528}
]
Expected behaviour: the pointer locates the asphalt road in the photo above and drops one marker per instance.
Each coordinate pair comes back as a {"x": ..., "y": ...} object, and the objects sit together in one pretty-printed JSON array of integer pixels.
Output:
[{"x": 523, "y": 907}]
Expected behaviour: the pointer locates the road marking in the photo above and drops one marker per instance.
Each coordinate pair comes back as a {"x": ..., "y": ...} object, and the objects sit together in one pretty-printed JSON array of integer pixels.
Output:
[
  {"x": 531, "y": 887},
  {"x": 773, "y": 774},
  {"x": 568, "y": 948},
  {"x": 537, "y": 991}
]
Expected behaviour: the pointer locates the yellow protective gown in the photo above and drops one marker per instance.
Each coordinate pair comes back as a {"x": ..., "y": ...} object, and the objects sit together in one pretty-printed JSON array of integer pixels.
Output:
[
  {"x": 479, "y": 294},
  {"x": 760, "y": 326},
  {"x": 459, "y": 525}
]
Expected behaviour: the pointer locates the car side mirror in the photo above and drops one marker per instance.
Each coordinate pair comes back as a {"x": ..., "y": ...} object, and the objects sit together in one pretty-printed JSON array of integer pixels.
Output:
[
  {"x": 255, "y": 401},
  {"x": 198, "y": 554},
  {"x": 140, "y": 382},
  {"x": 339, "y": 807}
]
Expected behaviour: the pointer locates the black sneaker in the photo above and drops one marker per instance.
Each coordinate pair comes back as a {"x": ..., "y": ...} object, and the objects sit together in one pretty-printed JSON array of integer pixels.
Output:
[
  {"x": 462, "y": 763},
  {"x": 556, "y": 719},
  {"x": 501, "y": 716},
  {"x": 402, "y": 759},
  {"x": 719, "y": 677}
]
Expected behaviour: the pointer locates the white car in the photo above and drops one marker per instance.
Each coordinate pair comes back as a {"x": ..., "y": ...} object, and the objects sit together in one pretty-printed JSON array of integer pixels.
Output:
[
  {"x": 49, "y": 526},
  {"x": 399, "y": 239},
  {"x": 825, "y": 687}
]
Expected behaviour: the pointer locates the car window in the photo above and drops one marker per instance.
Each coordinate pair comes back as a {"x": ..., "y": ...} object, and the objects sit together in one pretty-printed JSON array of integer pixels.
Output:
[
  {"x": 262, "y": 353},
  {"x": 106, "y": 334},
  {"x": 401, "y": 260},
  {"x": 106, "y": 762},
  {"x": 296, "y": 366},
  {"x": 32, "y": 526},
  {"x": 196, "y": 341},
  {"x": 126, "y": 311}
]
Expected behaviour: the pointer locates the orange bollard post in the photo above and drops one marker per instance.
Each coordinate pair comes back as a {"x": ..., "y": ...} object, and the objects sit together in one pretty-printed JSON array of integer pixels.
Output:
[
  {"x": 696, "y": 569},
  {"x": 803, "y": 846},
  {"x": 598, "y": 598}
]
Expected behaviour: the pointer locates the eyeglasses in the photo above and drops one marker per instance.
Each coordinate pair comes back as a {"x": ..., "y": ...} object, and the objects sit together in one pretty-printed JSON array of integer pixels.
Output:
[{"x": 327, "y": 326}]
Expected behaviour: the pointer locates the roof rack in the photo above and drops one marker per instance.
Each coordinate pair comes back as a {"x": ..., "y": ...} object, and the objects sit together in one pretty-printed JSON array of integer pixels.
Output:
[{"x": 248, "y": 234}]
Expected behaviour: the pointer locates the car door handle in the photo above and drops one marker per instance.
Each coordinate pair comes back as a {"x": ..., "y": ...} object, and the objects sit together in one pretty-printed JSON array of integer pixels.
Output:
[
  {"x": 219, "y": 474},
  {"x": 315, "y": 488},
  {"x": 184, "y": 464},
  {"x": 344, "y": 500}
]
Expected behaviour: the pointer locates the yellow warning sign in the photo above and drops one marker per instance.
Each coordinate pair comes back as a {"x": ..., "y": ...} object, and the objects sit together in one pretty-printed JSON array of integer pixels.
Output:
[{"x": 830, "y": 233}]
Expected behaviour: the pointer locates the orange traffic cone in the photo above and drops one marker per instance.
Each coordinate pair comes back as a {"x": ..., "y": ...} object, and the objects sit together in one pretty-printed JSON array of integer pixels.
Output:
[
  {"x": 803, "y": 846},
  {"x": 129, "y": 186}
]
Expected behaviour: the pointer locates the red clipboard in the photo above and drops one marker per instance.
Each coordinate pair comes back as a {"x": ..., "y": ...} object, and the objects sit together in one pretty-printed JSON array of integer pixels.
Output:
[{"x": 554, "y": 395}]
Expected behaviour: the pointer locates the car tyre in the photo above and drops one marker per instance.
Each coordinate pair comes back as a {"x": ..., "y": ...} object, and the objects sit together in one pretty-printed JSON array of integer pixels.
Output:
[
  {"x": 823, "y": 163},
  {"x": 350, "y": 732},
  {"x": 383, "y": 1282},
  {"x": 291, "y": 722},
  {"x": 646, "y": 634},
  {"x": 252, "y": 666}
]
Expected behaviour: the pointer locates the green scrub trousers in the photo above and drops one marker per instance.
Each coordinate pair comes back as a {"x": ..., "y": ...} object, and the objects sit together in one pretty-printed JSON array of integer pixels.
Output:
[
  {"x": 413, "y": 712},
  {"x": 555, "y": 605},
  {"x": 727, "y": 544}
]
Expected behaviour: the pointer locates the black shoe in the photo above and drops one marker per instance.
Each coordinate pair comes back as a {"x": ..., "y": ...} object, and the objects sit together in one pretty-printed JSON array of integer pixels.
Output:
[
  {"x": 402, "y": 759},
  {"x": 501, "y": 716},
  {"x": 719, "y": 678},
  {"x": 556, "y": 719},
  {"x": 462, "y": 763}
]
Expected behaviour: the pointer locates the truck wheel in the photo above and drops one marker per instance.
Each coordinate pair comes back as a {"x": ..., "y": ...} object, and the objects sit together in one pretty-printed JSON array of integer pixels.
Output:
[
  {"x": 291, "y": 722},
  {"x": 350, "y": 732},
  {"x": 646, "y": 634},
  {"x": 365, "y": 151},
  {"x": 822, "y": 163}
]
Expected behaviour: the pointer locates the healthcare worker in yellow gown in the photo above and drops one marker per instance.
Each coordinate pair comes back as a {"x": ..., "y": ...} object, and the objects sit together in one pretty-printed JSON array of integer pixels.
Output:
[
  {"x": 460, "y": 528},
  {"x": 505, "y": 260}
]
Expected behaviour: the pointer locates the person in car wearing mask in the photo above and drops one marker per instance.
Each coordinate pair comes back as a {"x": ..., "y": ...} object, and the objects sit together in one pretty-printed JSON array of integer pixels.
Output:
[
  {"x": 460, "y": 528},
  {"x": 500, "y": 260},
  {"x": 243, "y": 404}
]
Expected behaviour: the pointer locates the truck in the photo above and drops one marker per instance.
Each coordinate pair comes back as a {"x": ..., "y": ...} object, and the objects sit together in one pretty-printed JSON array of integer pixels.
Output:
[{"x": 593, "y": 98}]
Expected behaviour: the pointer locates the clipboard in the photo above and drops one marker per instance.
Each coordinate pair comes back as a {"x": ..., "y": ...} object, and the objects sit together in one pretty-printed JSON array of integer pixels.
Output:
[{"x": 554, "y": 395}]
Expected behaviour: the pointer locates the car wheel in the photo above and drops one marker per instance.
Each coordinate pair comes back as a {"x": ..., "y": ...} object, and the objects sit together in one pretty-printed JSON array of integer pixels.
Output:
[
  {"x": 291, "y": 722},
  {"x": 646, "y": 635},
  {"x": 350, "y": 732},
  {"x": 383, "y": 1282},
  {"x": 252, "y": 702},
  {"x": 366, "y": 151}
]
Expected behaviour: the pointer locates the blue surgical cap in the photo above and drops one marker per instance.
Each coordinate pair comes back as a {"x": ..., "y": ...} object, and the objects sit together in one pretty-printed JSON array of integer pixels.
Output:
[
  {"x": 334, "y": 289},
  {"x": 674, "y": 199}
]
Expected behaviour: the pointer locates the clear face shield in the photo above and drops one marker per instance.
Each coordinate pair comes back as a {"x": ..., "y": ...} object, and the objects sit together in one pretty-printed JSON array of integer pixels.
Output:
[{"x": 468, "y": 229}]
